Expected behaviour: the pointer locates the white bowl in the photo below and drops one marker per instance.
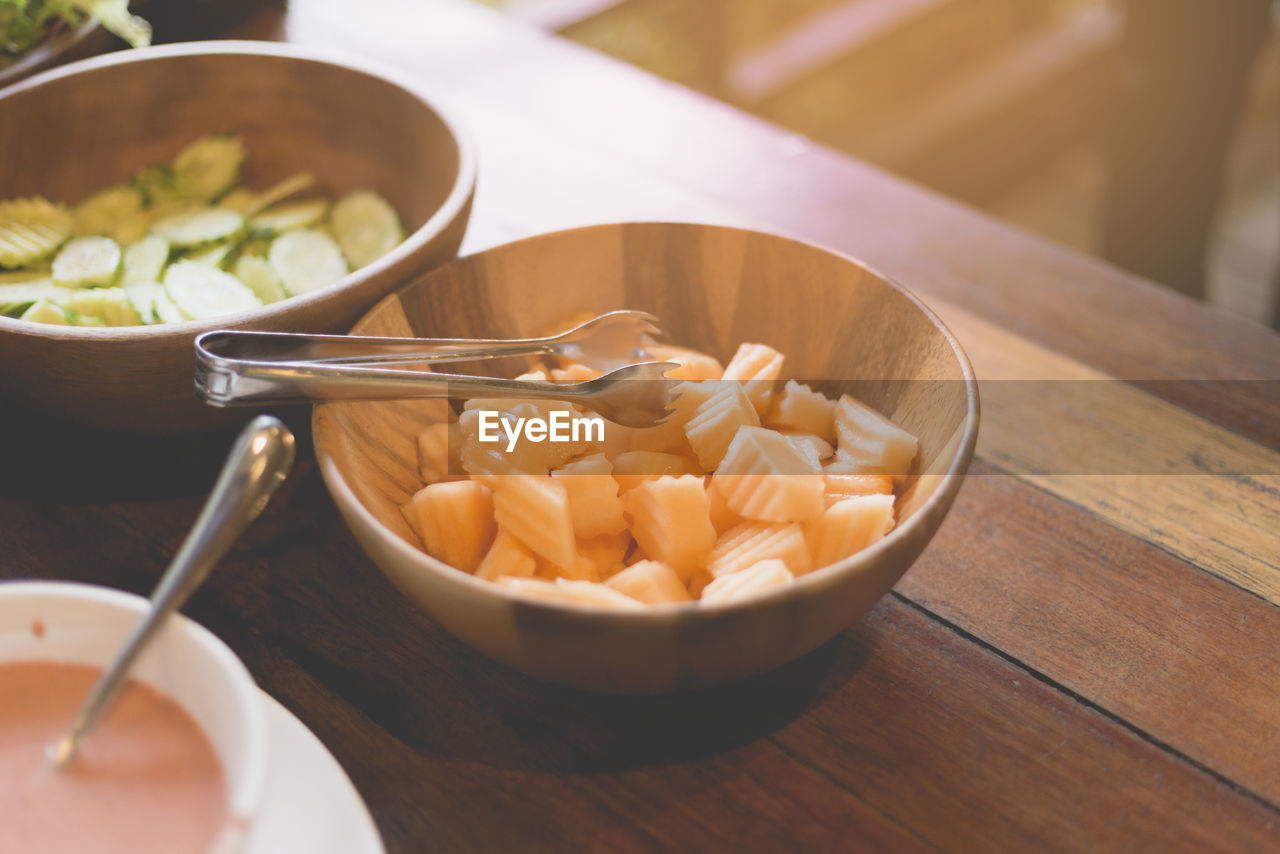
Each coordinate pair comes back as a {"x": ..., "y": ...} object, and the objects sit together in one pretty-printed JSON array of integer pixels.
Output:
[{"x": 84, "y": 624}]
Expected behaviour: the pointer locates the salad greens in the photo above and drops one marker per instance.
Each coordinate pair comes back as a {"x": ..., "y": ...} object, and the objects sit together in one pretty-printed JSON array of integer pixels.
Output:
[{"x": 23, "y": 23}]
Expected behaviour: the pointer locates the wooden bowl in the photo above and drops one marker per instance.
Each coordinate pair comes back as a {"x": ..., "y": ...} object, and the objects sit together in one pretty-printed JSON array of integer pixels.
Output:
[
  {"x": 62, "y": 44},
  {"x": 713, "y": 287},
  {"x": 76, "y": 129}
]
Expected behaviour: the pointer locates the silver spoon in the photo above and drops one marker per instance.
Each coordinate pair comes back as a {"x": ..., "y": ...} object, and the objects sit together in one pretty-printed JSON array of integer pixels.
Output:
[{"x": 258, "y": 463}]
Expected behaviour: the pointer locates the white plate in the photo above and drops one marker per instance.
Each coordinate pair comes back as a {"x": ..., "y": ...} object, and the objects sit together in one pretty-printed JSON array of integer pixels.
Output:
[{"x": 310, "y": 805}]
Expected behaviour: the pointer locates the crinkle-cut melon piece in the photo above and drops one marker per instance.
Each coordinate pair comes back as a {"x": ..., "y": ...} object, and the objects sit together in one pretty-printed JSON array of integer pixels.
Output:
[
  {"x": 815, "y": 448},
  {"x": 486, "y": 460},
  {"x": 694, "y": 364},
  {"x": 837, "y": 487},
  {"x": 454, "y": 520},
  {"x": 722, "y": 516},
  {"x": 716, "y": 420},
  {"x": 757, "y": 366},
  {"x": 574, "y": 372},
  {"x": 750, "y": 542},
  {"x": 866, "y": 438},
  {"x": 650, "y": 581},
  {"x": 507, "y": 556},
  {"x": 849, "y": 526},
  {"x": 669, "y": 436},
  {"x": 438, "y": 452},
  {"x": 607, "y": 552},
  {"x": 764, "y": 476},
  {"x": 801, "y": 409},
  {"x": 535, "y": 509},
  {"x": 633, "y": 468},
  {"x": 698, "y": 582},
  {"x": 753, "y": 580},
  {"x": 564, "y": 592},
  {"x": 594, "y": 504},
  {"x": 581, "y": 568},
  {"x": 671, "y": 520}
]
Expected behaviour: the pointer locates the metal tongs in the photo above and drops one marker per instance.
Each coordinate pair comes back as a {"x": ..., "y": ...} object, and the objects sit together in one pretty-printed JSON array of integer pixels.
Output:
[{"x": 272, "y": 368}]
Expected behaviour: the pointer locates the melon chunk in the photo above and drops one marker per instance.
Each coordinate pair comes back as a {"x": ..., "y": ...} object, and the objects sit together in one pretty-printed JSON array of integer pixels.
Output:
[
  {"x": 650, "y": 581},
  {"x": 849, "y": 526},
  {"x": 671, "y": 520},
  {"x": 767, "y": 477},
  {"x": 535, "y": 510},
  {"x": 868, "y": 440},
  {"x": 594, "y": 505},
  {"x": 755, "y": 579},
  {"x": 758, "y": 367},
  {"x": 454, "y": 520},
  {"x": 507, "y": 556},
  {"x": 750, "y": 542},
  {"x": 564, "y": 592},
  {"x": 804, "y": 410},
  {"x": 715, "y": 421}
]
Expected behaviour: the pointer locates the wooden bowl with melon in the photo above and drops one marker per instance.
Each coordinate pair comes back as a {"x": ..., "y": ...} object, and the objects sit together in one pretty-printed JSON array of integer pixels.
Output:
[{"x": 841, "y": 328}]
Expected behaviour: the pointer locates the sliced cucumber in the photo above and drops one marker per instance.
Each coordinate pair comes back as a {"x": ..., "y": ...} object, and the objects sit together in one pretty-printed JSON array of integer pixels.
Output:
[
  {"x": 281, "y": 191},
  {"x": 88, "y": 302},
  {"x": 142, "y": 295},
  {"x": 31, "y": 230},
  {"x": 260, "y": 277},
  {"x": 105, "y": 210},
  {"x": 132, "y": 228},
  {"x": 144, "y": 261},
  {"x": 44, "y": 311},
  {"x": 17, "y": 297},
  {"x": 241, "y": 199},
  {"x": 306, "y": 260},
  {"x": 201, "y": 290},
  {"x": 219, "y": 254},
  {"x": 193, "y": 229},
  {"x": 156, "y": 185},
  {"x": 84, "y": 320},
  {"x": 365, "y": 226},
  {"x": 289, "y": 216},
  {"x": 258, "y": 247},
  {"x": 118, "y": 309},
  {"x": 208, "y": 167},
  {"x": 165, "y": 309},
  {"x": 87, "y": 262},
  {"x": 25, "y": 276}
]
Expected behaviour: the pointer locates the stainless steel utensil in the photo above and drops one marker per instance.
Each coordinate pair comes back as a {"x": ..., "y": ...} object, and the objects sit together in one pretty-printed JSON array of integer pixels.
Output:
[{"x": 258, "y": 463}]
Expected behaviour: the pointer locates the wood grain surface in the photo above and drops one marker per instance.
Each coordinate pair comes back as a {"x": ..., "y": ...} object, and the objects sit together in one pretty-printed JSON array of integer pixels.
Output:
[{"x": 1069, "y": 666}]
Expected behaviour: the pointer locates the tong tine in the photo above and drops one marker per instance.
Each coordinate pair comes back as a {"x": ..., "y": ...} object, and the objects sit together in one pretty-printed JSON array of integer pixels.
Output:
[{"x": 606, "y": 342}]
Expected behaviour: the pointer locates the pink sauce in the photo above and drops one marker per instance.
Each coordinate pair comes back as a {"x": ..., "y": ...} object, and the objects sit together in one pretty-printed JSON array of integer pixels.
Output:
[{"x": 146, "y": 779}]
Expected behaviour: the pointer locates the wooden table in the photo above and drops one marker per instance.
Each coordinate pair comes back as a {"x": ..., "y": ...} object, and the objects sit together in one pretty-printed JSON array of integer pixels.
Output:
[{"x": 1077, "y": 662}]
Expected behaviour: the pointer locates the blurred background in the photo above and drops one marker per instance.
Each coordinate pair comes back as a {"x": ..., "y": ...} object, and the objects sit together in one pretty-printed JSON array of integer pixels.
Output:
[{"x": 1143, "y": 131}]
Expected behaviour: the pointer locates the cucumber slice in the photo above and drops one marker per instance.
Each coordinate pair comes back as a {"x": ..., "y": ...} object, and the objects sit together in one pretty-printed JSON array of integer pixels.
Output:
[
  {"x": 306, "y": 260},
  {"x": 241, "y": 200},
  {"x": 84, "y": 320},
  {"x": 142, "y": 295},
  {"x": 287, "y": 217},
  {"x": 144, "y": 261},
  {"x": 201, "y": 291},
  {"x": 165, "y": 309},
  {"x": 260, "y": 277},
  {"x": 85, "y": 303},
  {"x": 17, "y": 297},
  {"x": 193, "y": 229},
  {"x": 208, "y": 167},
  {"x": 257, "y": 247},
  {"x": 219, "y": 255},
  {"x": 156, "y": 185},
  {"x": 117, "y": 308},
  {"x": 30, "y": 274},
  {"x": 132, "y": 228},
  {"x": 279, "y": 192},
  {"x": 105, "y": 210},
  {"x": 31, "y": 230},
  {"x": 365, "y": 226},
  {"x": 88, "y": 261},
  {"x": 44, "y": 311}
]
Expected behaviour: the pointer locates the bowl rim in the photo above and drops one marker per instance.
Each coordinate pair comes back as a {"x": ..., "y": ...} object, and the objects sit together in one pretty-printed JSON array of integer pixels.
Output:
[
  {"x": 939, "y": 501},
  {"x": 245, "y": 799},
  {"x": 455, "y": 202}
]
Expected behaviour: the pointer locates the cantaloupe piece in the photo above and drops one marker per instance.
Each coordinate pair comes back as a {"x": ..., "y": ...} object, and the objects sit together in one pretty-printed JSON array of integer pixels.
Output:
[
  {"x": 722, "y": 516},
  {"x": 487, "y": 460},
  {"x": 507, "y": 556},
  {"x": 438, "y": 457},
  {"x": 650, "y": 581},
  {"x": 669, "y": 436},
  {"x": 716, "y": 420},
  {"x": 698, "y": 582},
  {"x": 694, "y": 365},
  {"x": 635, "y": 467},
  {"x": 574, "y": 372},
  {"x": 803, "y": 410},
  {"x": 750, "y": 542},
  {"x": 751, "y": 581},
  {"x": 594, "y": 505},
  {"x": 581, "y": 568},
  {"x": 814, "y": 447},
  {"x": 837, "y": 487},
  {"x": 765, "y": 476},
  {"x": 847, "y": 527},
  {"x": 608, "y": 552},
  {"x": 868, "y": 439},
  {"x": 671, "y": 520},
  {"x": 535, "y": 509},
  {"x": 564, "y": 592},
  {"x": 454, "y": 520},
  {"x": 757, "y": 366}
]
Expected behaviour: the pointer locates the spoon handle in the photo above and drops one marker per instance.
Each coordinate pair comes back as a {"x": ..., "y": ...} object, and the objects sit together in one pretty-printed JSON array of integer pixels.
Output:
[{"x": 258, "y": 463}]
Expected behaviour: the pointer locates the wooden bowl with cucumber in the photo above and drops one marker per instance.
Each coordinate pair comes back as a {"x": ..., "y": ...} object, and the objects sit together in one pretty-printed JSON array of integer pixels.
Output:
[{"x": 153, "y": 195}]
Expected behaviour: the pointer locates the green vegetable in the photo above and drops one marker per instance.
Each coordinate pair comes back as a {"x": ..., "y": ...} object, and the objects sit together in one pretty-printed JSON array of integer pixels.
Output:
[
  {"x": 24, "y": 23},
  {"x": 365, "y": 226},
  {"x": 306, "y": 260},
  {"x": 87, "y": 262}
]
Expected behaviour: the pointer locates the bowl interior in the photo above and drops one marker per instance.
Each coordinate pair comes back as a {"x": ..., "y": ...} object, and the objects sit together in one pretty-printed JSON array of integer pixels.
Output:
[
  {"x": 841, "y": 327},
  {"x": 77, "y": 133}
]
